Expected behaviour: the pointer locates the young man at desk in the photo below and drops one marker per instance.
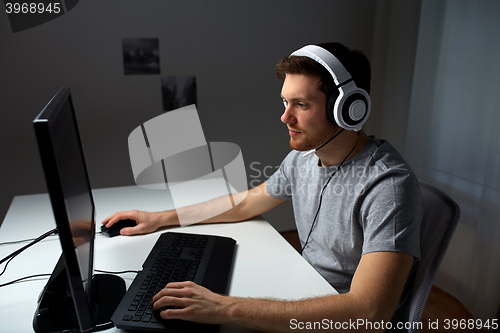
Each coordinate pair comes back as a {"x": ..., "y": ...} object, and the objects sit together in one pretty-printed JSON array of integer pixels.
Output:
[{"x": 356, "y": 203}]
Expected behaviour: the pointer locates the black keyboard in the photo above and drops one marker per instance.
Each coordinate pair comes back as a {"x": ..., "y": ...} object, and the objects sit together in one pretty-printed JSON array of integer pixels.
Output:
[{"x": 205, "y": 259}]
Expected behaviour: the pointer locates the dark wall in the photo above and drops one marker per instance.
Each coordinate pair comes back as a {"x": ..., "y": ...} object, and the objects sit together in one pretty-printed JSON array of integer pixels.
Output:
[{"x": 230, "y": 46}]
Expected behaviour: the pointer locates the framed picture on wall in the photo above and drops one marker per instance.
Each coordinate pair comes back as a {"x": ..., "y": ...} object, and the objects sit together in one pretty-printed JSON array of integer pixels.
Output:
[
  {"x": 141, "y": 56},
  {"x": 178, "y": 91}
]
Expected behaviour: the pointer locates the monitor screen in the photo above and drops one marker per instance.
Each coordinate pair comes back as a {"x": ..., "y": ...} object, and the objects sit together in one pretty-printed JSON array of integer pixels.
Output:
[
  {"x": 71, "y": 197},
  {"x": 74, "y": 299}
]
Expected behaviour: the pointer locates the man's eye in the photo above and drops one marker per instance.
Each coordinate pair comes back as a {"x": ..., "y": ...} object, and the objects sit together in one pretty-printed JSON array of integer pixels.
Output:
[{"x": 285, "y": 103}]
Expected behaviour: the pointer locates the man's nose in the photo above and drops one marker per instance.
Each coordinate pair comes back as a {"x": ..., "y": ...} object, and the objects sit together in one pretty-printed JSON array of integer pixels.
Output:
[{"x": 287, "y": 116}]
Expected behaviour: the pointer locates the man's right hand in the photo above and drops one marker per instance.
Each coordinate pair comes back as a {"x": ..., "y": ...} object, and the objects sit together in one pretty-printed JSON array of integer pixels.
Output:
[{"x": 147, "y": 222}]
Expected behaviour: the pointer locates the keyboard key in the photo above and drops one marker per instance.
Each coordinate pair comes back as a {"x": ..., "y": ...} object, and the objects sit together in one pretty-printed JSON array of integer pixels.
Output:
[{"x": 146, "y": 318}]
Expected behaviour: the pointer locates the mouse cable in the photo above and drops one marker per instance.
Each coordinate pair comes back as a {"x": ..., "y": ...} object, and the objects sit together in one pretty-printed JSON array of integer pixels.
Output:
[
  {"x": 24, "y": 278},
  {"x": 15, "y": 253},
  {"x": 116, "y": 273},
  {"x": 48, "y": 275},
  {"x": 20, "y": 241}
]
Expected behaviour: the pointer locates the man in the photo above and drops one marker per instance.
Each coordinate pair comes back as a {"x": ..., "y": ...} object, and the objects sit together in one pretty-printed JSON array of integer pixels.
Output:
[{"x": 356, "y": 204}]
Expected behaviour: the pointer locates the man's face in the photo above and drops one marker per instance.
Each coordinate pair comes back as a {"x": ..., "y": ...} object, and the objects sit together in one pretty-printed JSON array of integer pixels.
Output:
[{"x": 305, "y": 114}]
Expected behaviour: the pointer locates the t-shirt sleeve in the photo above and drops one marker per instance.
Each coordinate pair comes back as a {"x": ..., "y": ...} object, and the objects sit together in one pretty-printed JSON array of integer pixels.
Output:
[
  {"x": 278, "y": 185},
  {"x": 391, "y": 213}
]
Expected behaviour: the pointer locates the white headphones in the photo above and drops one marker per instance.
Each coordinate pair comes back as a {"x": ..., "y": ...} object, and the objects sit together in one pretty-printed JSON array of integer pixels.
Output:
[{"x": 351, "y": 108}]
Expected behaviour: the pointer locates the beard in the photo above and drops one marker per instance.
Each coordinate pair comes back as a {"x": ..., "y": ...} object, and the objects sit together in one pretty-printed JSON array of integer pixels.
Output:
[
  {"x": 308, "y": 141},
  {"x": 303, "y": 145}
]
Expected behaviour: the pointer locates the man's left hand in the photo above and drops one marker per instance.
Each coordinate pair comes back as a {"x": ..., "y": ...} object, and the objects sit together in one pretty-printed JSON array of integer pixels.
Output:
[{"x": 191, "y": 302}]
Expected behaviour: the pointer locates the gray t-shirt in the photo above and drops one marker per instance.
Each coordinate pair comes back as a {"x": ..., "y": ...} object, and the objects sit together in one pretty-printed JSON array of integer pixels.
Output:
[{"x": 372, "y": 203}]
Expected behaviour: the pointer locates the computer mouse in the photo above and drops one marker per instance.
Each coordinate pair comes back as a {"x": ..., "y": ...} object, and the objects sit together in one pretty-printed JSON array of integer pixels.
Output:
[{"x": 114, "y": 230}]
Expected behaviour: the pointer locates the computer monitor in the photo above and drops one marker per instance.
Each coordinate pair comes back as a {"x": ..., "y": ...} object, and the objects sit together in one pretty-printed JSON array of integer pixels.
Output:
[{"x": 74, "y": 299}]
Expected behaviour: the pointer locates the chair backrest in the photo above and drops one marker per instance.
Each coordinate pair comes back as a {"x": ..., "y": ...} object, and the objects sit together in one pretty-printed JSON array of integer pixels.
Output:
[{"x": 439, "y": 221}]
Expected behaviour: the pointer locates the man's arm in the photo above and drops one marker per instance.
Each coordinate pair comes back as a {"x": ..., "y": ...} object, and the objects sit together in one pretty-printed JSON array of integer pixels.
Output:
[
  {"x": 253, "y": 202},
  {"x": 375, "y": 290}
]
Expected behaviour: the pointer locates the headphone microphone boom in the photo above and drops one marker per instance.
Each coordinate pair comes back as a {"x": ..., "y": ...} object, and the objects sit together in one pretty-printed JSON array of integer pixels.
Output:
[{"x": 351, "y": 108}]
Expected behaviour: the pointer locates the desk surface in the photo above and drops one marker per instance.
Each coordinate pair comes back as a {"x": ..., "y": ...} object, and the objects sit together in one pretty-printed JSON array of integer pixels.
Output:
[{"x": 265, "y": 264}]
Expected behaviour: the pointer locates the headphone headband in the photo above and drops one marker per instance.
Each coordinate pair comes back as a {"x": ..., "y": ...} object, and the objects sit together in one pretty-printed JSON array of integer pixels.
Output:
[{"x": 327, "y": 60}]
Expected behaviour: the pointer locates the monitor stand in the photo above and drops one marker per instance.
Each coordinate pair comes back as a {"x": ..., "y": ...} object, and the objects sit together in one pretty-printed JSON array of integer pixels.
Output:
[{"x": 56, "y": 310}]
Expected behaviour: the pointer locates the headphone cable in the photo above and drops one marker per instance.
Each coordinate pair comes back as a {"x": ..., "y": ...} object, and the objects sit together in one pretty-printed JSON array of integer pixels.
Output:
[{"x": 323, "y": 190}]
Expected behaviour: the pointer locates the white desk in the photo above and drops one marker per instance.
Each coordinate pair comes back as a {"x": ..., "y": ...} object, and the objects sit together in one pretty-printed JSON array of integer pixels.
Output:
[{"x": 265, "y": 264}]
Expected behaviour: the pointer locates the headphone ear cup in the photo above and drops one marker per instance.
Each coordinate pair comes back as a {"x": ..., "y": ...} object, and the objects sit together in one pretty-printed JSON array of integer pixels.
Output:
[
  {"x": 352, "y": 107},
  {"x": 330, "y": 107}
]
